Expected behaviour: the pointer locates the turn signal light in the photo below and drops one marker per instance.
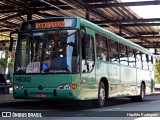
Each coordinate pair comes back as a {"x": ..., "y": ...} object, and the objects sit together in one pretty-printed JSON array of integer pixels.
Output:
[{"x": 74, "y": 86}]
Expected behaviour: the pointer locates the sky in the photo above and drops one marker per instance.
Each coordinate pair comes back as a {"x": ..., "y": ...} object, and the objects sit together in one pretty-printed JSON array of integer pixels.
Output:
[{"x": 150, "y": 11}]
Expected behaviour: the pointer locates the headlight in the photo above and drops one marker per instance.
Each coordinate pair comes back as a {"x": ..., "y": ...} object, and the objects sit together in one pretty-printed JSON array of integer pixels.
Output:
[
  {"x": 67, "y": 86},
  {"x": 18, "y": 86},
  {"x": 64, "y": 86}
]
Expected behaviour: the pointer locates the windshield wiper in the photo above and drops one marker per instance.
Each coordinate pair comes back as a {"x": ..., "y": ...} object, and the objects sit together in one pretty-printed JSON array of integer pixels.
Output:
[{"x": 21, "y": 71}]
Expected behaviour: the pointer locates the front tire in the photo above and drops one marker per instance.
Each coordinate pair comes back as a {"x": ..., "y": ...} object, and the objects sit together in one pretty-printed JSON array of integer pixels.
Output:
[{"x": 100, "y": 102}]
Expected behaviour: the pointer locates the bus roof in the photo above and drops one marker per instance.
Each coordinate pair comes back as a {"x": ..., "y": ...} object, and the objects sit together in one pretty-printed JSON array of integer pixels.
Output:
[{"x": 114, "y": 36}]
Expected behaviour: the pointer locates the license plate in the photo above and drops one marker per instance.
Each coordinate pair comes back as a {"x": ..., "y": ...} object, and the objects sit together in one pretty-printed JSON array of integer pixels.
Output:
[{"x": 41, "y": 95}]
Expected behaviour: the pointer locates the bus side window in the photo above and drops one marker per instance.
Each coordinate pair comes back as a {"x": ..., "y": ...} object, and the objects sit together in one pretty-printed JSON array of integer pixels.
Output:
[
  {"x": 150, "y": 62},
  {"x": 138, "y": 59},
  {"x": 123, "y": 55},
  {"x": 113, "y": 51},
  {"x": 131, "y": 57},
  {"x": 88, "y": 48},
  {"x": 102, "y": 47},
  {"x": 144, "y": 62}
]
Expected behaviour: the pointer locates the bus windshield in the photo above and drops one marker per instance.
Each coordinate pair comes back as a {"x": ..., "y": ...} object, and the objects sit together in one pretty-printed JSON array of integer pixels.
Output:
[{"x": 49, "y": 51}]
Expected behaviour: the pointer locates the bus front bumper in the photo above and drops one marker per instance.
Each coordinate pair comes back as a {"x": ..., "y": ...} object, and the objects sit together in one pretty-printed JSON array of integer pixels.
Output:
[{"x": 46, "y": 93}]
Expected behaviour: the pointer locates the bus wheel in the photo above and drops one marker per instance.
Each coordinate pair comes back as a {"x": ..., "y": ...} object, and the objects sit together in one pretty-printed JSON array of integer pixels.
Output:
[
  {"x": 140, "y": 97},
  {"x": 100, "y": 102}
]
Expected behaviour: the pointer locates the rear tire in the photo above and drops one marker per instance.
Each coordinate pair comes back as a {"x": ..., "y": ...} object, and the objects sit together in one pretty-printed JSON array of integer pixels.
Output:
[
  {"x": 100, "y": 102},
  {"x": 140, "y": 97}
]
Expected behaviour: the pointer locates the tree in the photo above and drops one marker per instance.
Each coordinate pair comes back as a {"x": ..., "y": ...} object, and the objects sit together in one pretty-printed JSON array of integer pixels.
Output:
[
  {"x": 2, "y": 66},
  {"x": 157, "y": 71}
]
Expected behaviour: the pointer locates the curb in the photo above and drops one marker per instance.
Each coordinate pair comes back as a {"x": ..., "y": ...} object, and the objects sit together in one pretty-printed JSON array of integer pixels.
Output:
[{"x": 158, "y": 93}]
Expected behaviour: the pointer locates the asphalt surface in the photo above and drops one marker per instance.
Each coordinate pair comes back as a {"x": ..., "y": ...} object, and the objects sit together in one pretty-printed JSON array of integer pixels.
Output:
[{"x": 121, "y": 108}]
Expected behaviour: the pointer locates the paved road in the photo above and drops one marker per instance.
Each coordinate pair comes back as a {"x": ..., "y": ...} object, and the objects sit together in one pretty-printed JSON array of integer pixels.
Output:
[{"x": 121, "y": 109}]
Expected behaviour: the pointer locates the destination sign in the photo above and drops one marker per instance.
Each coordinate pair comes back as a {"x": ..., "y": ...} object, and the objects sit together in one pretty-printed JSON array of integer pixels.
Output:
[{"x": 48, "y": 23}]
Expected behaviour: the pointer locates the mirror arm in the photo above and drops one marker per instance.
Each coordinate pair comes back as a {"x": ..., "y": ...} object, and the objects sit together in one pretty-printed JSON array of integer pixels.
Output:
[{"x": 11, "y": 39}]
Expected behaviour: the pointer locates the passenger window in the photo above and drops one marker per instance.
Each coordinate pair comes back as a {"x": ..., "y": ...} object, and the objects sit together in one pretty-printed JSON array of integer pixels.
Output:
[
  {"x": 144, "y": 61},
  {"x": 102, "y": 47},
  {"x": 123, "y": 55},
  {"x": 138, "y": 59},
  {"x": 131, "y": 57},
  {"x": 150, "y": 62},
  {"x": 113, "y": 51}
]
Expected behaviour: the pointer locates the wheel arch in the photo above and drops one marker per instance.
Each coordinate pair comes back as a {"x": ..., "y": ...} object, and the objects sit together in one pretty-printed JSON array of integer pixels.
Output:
[{"x": 143, "y": 82}]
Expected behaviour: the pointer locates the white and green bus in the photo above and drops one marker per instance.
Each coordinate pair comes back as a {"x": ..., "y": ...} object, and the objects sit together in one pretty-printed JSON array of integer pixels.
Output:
[{"x": 66, "y": 58}]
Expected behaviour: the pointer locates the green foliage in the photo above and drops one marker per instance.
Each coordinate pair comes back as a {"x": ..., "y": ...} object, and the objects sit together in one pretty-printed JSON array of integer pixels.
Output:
[
  {"x": 157, "y": 71},
  {"x": 4, "y": 36},
  {"x": 158, "y": 29},
  {"x": 2, "y": 62}
]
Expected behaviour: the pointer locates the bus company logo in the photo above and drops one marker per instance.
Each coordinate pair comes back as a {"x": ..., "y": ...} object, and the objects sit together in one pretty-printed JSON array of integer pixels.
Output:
[
  {"x": 23, "y": 79},
  {"x": 20, "y": 114}
]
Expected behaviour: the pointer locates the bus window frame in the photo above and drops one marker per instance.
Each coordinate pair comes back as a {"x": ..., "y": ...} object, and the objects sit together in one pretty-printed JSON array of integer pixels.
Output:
[
  {"x": 116, "y": 47},
  {"x": 134, "y": 56},
  {"x": 126, "y": 53}
]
